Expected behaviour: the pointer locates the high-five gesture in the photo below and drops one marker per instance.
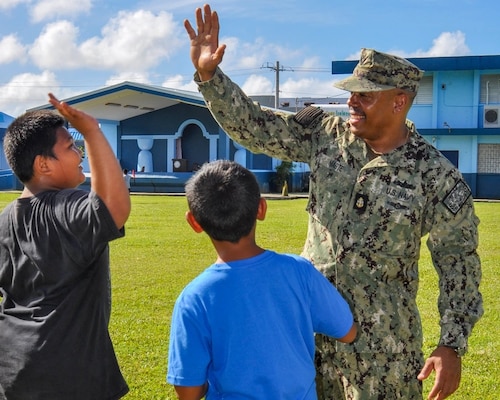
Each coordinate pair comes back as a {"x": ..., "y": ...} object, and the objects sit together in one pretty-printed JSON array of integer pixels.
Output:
[{"x": 206, "y": 54}]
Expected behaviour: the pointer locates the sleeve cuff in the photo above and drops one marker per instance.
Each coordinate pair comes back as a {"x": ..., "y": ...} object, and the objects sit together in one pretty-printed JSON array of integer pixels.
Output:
[
  {"x": 452, "y": 339},
  {"x": 198, "y": 81}
]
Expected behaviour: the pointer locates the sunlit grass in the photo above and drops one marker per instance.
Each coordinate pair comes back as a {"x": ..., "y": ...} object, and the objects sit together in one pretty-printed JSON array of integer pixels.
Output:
[
  {"x": 481, "y": 366},
  {"x": 160, "y": 254}
]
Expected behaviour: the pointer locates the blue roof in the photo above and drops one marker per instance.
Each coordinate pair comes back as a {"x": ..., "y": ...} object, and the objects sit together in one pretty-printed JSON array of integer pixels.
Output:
[
  {"x": 174, "y": 94},
  {"x": 5, "y": 120},
  {"x": 127, "y": 99},
  {"x": 434, "y": 64}
]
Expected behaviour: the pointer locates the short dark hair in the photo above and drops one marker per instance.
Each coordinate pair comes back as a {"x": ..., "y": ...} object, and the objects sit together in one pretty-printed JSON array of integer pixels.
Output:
[
  {"x": 224, "y": 198},
  {"x": 30, "y": 135}
]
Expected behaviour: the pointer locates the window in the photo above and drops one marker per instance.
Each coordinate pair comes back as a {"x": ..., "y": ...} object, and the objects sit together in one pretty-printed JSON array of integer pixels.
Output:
[
  {"x": 424, "y": 94},
  {"x": 488, "y": 158}
]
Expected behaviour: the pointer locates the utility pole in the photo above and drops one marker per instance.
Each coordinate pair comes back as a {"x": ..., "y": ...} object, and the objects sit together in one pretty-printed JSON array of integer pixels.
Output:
[{"x": 276, "y": 68}]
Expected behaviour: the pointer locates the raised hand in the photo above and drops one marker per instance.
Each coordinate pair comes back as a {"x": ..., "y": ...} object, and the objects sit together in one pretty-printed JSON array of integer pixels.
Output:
[
  {"x": 82, "y": 122},
  {"x": 206, "y": 54},
  {"x": 106, "y": 172}
]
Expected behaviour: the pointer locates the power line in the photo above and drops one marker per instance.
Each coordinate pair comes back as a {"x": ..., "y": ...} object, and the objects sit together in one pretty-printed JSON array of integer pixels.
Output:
[
  {"x": 304, "y": 69},
  {"x": 276, "y": 68}
]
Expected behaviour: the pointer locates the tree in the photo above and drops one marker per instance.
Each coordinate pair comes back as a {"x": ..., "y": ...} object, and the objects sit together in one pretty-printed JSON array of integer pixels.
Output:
[{"x": 283, "y": 172}]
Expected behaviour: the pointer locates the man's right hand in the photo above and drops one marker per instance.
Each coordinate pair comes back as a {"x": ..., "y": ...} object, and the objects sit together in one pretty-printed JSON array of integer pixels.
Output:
[{"x": 206, "y": 54}]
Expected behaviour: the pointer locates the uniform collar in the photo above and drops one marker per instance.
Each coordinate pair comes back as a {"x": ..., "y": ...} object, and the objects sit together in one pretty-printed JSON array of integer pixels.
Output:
[{"x": 404, "y": 156}]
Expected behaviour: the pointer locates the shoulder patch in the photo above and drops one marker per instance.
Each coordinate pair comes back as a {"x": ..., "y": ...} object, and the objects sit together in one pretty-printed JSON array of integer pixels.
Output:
[
  {"x": 307, "y": 115},
  {"x": 457, "y": 197}
]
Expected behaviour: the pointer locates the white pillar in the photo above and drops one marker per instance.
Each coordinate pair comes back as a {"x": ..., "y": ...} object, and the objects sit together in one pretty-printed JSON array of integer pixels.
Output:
[{"x": 145, "y": 158}]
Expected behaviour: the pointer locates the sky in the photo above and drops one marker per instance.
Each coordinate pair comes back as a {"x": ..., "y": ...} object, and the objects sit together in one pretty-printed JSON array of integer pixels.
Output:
[{"x": 70, "y": 47}]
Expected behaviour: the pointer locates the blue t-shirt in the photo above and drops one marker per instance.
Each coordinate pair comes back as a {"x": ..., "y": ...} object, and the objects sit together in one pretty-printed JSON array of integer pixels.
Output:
[{"x": 247, "y": 327}]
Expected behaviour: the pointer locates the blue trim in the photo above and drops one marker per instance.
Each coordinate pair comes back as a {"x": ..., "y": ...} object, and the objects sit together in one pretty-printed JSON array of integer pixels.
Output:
[
  {"x": 456, "y": 132},
  {"x": 457, "y": 63},
  {"x": 136, "y": 88},
  {"x": 343, "y": 67},
  {"x": 434, "y": 64}
]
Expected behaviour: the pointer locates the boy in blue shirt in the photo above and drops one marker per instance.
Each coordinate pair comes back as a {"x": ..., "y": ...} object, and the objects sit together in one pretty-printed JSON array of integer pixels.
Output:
[{"x": 244, "y": 328}]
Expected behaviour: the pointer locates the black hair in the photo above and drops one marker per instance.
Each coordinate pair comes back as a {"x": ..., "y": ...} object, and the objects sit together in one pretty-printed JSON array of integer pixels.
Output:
[
  {"x": 224, "y": 198},
  {"x": 30, "y": 135}
]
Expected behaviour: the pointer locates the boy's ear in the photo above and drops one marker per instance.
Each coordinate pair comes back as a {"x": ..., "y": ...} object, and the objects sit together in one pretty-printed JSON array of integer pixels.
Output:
[
  {"x": 193, "y": 223},
  {"x": 41, "y": 166},
  {"x": 261, "y": 211}
]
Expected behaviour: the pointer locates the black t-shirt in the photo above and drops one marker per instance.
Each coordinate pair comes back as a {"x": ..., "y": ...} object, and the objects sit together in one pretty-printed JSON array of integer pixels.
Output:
[{"x": 55, "y": 284}]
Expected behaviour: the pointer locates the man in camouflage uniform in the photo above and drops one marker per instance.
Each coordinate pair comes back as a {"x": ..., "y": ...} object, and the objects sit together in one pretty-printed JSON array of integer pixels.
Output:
[{"x": 376, "y": 188}]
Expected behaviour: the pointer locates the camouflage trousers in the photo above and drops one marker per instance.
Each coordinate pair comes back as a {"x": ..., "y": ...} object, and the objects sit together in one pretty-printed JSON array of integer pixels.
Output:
[{"x": 369, "y": 376}]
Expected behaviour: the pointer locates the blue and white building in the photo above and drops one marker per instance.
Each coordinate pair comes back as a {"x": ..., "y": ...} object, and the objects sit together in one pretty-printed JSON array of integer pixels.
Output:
[
  {"x": 457, "y": 109},
  {"x": 163, "y": 135}
]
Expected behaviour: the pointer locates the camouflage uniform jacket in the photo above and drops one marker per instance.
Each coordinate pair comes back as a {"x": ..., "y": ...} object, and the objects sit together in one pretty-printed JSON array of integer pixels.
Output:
[{"x": 367, "y": 218}]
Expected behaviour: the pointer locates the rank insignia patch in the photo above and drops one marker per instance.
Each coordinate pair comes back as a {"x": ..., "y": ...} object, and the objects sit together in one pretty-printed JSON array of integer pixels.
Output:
[
  {"x": 360, "y": 202},
  {"x": 456, "y": 198}
]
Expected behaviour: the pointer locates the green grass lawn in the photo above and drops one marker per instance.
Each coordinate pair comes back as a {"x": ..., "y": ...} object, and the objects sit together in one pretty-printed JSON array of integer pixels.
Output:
[{"x": 160, "y": 254}]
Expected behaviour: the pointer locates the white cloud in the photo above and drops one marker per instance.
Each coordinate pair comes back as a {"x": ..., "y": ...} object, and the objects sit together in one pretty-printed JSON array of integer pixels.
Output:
[
  {"x": 259, "y": 57},
  {"x": 133, "y": 42},
  {"x": 27, "y": 90},
  {"x": 56, "y": 47},
  {"x": 240, "y": 56},
  {"x": 355, "y": 56},
  {"x": 258, "y": 85},
  {"x": 51, "y": 9},
  {"x": 138, "y": 77},
  {"x": 251, "y": 55},
  {"x": 445, "y": 45},
  {"x": 313, "y": 63},
  {"x": 309, "y": 87},
  {"x": 448, "y": 44},
  {"x": 6, "y": 4},
  {"x": 11, "y": 50},
  {"x": 177, "y": 82}
]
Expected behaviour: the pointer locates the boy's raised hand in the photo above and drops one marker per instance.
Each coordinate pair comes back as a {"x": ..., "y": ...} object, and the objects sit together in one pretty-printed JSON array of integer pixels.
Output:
[
  {"x": 106, "y": 172},
  {"x": 206, "y": 54},
  {"x": 81, "y": 121}
]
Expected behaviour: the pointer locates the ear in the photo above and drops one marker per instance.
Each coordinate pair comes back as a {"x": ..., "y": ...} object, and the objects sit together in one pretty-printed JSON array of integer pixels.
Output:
[
  {"x": 400, "y": 102},
  {"x": 41, "y": 166},
  {"x": 193, "y": 223},
  {"x": 261, "y": 211}
]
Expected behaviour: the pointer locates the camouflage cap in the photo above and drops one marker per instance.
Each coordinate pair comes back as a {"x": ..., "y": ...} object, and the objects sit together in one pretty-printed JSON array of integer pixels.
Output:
[{"x": 380, "y": 71}]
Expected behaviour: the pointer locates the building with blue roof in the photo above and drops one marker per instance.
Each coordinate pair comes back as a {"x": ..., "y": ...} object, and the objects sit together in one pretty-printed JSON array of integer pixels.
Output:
[
  {"x": 457, "y": 109},
  {"x": 162, "y": 135}
]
